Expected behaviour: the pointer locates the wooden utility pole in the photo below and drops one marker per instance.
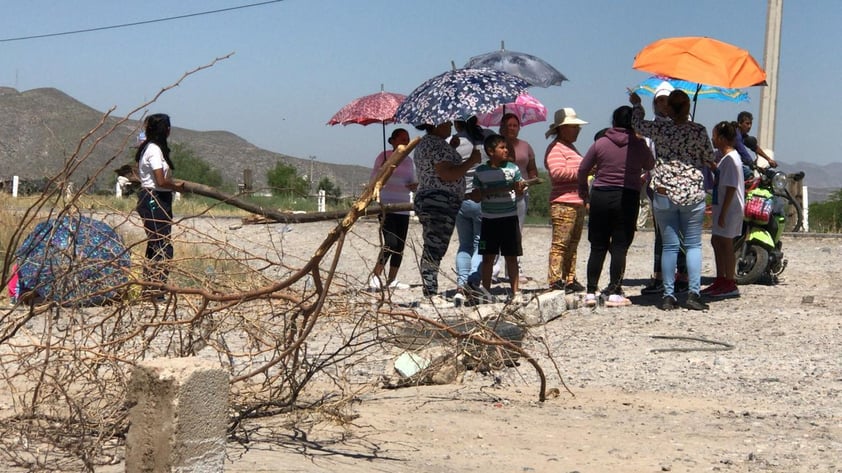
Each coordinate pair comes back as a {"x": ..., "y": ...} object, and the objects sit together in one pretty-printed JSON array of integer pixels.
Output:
[{"x": 771, "y": 58}]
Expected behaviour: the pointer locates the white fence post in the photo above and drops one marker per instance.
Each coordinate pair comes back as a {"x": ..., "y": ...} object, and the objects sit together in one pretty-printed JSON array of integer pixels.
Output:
[
  {"x": 15, "y": 185},
  {"x": 321, "y": 201},
  {"x": 411, "y": 200},
  {"x": 805, "y": 209}
]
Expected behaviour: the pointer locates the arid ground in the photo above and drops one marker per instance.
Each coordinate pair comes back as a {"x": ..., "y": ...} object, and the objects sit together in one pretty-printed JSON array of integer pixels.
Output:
[{"x": 773, "y": 403}]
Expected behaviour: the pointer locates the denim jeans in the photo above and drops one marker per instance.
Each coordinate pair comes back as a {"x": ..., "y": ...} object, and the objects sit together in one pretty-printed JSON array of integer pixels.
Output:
[
  {"x": 674, "y": 221},
  {"x": 468, "y": 223}
]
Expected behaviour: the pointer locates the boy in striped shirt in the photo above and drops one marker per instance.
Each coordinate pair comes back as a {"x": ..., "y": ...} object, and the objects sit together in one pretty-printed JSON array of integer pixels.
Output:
[{"x": 497, "y": 183}]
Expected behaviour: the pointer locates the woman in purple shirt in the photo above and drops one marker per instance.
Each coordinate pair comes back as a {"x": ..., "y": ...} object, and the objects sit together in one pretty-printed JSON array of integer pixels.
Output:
[{"x": 619, "y": 157}]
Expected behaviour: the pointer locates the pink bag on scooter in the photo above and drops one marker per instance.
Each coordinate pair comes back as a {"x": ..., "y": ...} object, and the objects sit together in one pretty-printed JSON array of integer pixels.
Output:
[{"x": 758, "y": 209}]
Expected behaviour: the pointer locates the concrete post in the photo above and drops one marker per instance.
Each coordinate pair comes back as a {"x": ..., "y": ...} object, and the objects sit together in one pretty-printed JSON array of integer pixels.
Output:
[
  {"x": 321, "y": 200},
  {"x": 15, "y": 185},
  {"x": 178, "y": 416},
  {"x": 771, "y": 58}
]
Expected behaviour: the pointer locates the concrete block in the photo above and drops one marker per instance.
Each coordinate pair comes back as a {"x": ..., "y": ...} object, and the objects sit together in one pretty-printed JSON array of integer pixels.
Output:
[
  {"x": 178, "y": 417},
  {"x": 545, "y": 307},
  {"x": 408, "y": 364}
]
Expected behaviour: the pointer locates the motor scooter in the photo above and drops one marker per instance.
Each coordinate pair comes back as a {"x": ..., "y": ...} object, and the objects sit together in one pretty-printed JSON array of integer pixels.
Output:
[{"x": 759, "y": 250}]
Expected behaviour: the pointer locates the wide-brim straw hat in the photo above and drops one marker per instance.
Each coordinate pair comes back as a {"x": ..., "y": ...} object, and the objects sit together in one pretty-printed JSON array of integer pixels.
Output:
[{"x": 564, "y": 116}]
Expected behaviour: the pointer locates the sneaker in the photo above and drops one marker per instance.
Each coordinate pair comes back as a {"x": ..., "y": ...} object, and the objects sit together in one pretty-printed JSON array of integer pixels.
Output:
[
  {"x": 668, "y": 303},
  {"x": 398, "y": 285},
  {"x": 681, "y": 287},
  {"x": 726, "y": 289},
  {"x": 617, "y": 300},
  {"x": 694, "y": 302},
  {"x": 459, "y": 298},
  {"x": 612, "y": 289},
  {"x": 713, "y": 287},
  {"x": 486, "y": 297},
  {"x": 557, "y": 286},
  {"x": 656, "y": 286},
  {"x": 573, "y": 287},
  {"x": 375, "y": 284},
  {"x": 590, "y": 300},
  {"x": 436, "y": 301},
  {"x": 473, "y": 292}
]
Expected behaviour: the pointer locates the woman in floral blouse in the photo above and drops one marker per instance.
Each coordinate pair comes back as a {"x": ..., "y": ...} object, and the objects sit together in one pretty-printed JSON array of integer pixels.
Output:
[
  {"x": 441, "y": 188},
  {"x": 684, "y": 149}
]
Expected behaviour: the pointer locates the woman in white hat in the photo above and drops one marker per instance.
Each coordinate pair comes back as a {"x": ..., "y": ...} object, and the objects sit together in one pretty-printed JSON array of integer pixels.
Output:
[{"x": 567, "y": 210}]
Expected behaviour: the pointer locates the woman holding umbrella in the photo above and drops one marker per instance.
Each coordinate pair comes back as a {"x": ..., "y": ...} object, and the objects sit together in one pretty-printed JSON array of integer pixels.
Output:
[
  {"x": 683, "y": 150},
  {"x": 441, "y": 189}
]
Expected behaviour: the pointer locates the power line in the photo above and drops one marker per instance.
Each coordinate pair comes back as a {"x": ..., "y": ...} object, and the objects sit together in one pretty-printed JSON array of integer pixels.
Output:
[{"x": 138, "y": 23}]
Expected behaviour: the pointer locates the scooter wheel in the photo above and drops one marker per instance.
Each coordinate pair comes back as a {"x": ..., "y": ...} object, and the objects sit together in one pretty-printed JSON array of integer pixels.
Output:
[{"x": 751, "y": 265}]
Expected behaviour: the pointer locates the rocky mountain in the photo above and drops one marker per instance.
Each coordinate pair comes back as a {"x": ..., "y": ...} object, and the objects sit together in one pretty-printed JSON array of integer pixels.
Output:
[
  {"x": 821, "y": 179},
  {"x": 41, "y": 131}
]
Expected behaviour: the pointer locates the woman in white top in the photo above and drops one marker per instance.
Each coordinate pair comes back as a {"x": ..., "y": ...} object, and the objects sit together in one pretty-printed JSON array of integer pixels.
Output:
[
  {"x": 394, "y": 225},
  {"x": 154, "y": 203}
]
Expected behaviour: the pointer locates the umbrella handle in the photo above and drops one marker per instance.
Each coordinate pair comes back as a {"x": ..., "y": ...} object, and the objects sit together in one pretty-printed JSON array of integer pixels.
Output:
[{"x": 695, "y": 101}]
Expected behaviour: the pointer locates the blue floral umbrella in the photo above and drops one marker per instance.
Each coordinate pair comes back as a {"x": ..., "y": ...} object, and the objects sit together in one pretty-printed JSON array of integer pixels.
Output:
[
  {"x": 73, "y": 260},
  {"x": 457, "y": 94}
]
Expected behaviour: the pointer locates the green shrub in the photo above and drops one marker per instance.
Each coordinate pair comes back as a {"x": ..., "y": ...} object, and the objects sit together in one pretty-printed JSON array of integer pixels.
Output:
[
  {"x": 826, "y": 217},
  {"x": 539, "y": 200},
  {"x": 190, "y": 167},
  {"x": 284, "y": 180}
]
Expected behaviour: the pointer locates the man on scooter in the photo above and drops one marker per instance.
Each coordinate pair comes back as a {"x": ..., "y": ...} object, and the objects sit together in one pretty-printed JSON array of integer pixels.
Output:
[{"x": 744, "y": 140}]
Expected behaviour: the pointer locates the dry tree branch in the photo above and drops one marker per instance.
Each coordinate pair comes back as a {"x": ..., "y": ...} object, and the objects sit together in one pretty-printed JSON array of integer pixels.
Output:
[{"x": 276, "y": 321}]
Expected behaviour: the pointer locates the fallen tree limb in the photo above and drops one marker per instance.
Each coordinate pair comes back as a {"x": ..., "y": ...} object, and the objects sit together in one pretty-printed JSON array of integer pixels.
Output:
[{"x": 359, "y": 209}]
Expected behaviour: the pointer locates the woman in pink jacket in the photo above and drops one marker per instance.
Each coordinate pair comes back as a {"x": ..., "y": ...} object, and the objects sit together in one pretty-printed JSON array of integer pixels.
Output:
[{"x": 567, "y": 210}]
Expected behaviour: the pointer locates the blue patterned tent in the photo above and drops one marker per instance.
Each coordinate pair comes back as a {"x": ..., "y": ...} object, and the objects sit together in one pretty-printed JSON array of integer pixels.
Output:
[{"x": 73, "y": 260}]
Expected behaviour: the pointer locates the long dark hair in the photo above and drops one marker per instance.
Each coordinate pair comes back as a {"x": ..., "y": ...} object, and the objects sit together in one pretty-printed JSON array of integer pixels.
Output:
[
  {"x": 622, "y": 117},
  {"x": 474, "y": 131},
  {"x": 727, "y": 130},
  {"x": 157, "y": 129}
]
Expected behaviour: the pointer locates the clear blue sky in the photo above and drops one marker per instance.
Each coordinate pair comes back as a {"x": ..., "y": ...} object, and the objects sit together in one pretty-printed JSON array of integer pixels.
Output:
[{"x": 297, "y": 62}]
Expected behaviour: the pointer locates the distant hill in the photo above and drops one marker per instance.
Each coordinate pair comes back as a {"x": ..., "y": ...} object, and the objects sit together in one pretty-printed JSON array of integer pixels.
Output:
[
  {"x": 821, "y": 179},
  {"x": 41, "y": 128}
]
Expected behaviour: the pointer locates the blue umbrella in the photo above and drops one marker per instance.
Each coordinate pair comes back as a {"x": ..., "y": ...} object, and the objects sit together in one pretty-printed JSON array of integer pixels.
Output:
[
  {"x": 693, "y": 89},
  {"x": 73, "y": 260},
  {"x": 458, "y": 94}
]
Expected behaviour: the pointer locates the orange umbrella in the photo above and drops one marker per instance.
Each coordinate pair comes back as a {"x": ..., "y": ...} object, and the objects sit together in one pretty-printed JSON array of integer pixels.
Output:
[{"x": 702, "y": 60}]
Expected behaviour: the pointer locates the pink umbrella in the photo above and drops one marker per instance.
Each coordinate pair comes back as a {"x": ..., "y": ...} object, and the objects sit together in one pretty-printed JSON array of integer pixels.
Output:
[
  {"x": 526, "y": 107},
  {"x": 374, "y": 108}
]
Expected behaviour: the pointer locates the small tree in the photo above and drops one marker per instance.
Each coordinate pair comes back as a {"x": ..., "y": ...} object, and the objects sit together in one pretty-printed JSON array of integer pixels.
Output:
[
  {"x": 190, "y": 167},
  {"x": 331, "y": 190},
  {"x": 539, "y": 197},
  {"x": 284, "y": 180}
]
